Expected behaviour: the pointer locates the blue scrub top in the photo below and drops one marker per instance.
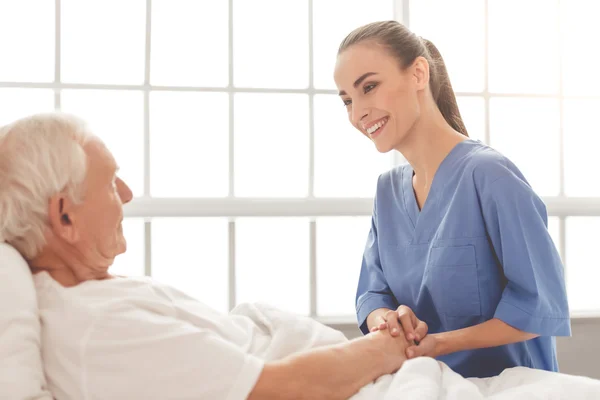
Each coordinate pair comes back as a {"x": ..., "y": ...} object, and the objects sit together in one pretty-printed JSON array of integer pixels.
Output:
[{"x": 479, "y": 249}]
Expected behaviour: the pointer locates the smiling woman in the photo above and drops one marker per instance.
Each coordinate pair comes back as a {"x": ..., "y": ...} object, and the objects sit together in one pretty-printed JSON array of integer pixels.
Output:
[
  {"x": 407, "y": 52},
  {"x": 459, "y": 256}
]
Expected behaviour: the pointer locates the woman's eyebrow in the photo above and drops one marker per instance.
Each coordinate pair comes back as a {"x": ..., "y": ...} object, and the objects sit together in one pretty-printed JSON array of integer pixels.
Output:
[{"x": 359, "y": 81}]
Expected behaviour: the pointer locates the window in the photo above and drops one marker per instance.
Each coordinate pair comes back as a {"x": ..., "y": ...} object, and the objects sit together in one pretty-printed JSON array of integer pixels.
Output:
[
  {"x": 228, "y": 128},
  {"x": 249, "y": 183}
]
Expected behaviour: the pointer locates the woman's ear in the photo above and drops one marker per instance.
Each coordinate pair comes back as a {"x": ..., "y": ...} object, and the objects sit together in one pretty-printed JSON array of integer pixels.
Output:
[
  {"x": 61, "y": 218},
  {"x": 420, "y": 73}
]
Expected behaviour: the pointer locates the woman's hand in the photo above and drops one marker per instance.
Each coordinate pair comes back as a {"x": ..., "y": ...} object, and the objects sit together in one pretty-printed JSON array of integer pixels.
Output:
[
  {"x": 428, "y": 347},
  {"x": 402, "y": 320}
]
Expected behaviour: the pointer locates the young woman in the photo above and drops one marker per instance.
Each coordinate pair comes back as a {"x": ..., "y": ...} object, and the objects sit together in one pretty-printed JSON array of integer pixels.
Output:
[{"x": 458, "y": 257}]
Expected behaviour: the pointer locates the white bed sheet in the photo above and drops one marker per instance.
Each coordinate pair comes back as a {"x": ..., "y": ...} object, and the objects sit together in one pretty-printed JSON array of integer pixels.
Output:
[{"x": 422, "y": 378}]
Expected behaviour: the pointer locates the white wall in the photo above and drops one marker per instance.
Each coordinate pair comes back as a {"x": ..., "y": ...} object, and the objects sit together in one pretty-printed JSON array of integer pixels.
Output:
[{"x": 580, "y": 354}]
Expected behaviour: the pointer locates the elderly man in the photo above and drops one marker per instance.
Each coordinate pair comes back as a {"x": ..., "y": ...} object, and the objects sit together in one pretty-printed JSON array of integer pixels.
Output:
[{"x": 106, "y": 337}]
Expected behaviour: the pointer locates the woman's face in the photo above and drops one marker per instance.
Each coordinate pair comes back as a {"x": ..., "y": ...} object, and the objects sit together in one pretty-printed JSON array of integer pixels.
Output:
[{"x": 381, "y": 99}]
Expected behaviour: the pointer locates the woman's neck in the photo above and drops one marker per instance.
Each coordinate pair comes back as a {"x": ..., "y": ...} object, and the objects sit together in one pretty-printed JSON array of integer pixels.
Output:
[{"x": 426, "y": 146}]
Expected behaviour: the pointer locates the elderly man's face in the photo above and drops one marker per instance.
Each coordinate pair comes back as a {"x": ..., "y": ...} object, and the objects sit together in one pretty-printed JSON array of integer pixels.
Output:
[{"x": 94, "y": 227}]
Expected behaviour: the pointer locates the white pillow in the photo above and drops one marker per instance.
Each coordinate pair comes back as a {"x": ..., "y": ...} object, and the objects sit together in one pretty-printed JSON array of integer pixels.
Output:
[{"x": 21, "y": 372}]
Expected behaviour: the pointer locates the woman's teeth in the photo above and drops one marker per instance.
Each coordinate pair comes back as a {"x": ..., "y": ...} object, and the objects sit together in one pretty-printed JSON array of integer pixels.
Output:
[{"x": 375, "y": 127}]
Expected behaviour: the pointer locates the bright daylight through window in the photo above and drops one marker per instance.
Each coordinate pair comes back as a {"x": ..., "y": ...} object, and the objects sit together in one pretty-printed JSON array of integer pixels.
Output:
[{"x": 269, "y": 197}]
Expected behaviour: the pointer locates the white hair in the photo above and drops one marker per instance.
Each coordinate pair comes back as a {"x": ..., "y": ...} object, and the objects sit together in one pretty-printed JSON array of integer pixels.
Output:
[{"x": 40, "y": 156}]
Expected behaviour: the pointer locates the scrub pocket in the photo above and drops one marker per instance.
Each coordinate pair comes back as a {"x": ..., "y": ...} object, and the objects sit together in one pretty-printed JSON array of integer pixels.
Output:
[{"x": 455, "y": 280}]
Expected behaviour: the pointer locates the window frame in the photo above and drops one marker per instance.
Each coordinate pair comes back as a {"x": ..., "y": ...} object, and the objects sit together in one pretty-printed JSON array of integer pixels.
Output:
[{"x": 232, "y": 207}]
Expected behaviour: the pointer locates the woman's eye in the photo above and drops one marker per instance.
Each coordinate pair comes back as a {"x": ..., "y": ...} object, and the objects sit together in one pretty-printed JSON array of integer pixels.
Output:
[
  {"x": 347, "y": 102},
  {"x": 369, "y": 87}
]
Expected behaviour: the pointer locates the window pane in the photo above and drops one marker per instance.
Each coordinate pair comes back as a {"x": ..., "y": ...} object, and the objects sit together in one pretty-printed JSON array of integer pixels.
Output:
[
  {"x": 189, "y": 154},
  {"x": 190, "y": 42},
  {"x": 582, "y": 140},
  {"x": 271, "y": 145},
  {"x": 191, "y": 254},
  {"x": 523, "y": 46},
  {"x": 270, "y": 43},
  {"x": 27, "y": 40},
  {"x": 131, "y": 263},
  {"x": 582, "y": 269},
  {"x": 333, "y": 20},
  {"x": 19, "y": 103},
  {"x": 554, "y": 230},
  {"x": 346, "y": 163},
  {"x": 117, "y": 117},
  {"x": 581, "y": 60},
  {"x": 340, "y": 245},
  {"x": 457, "y": 28},
  {"x": 523, "y": 127},
  {"x": 472, "y": 110},
  {"x": 272, "y": 262},
  {"x": 103, "y": 41}
]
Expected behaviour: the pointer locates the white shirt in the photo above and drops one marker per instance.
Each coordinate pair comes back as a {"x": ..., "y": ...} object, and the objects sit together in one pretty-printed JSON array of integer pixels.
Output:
[{"x": 132, "y": 338}]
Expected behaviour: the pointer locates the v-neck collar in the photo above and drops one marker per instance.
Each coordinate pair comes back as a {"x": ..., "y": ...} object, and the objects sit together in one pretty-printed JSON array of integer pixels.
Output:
[
  {"x": 437, "y": 185},
  {"x": 410, "y": 202}
]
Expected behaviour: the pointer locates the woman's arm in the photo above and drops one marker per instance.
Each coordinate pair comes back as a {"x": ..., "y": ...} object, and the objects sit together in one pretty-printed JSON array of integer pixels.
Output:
[
  {"x": 373, "y": 293},
  {"x": 491, "y": 333},
  {"x": 534, "y": 298}
]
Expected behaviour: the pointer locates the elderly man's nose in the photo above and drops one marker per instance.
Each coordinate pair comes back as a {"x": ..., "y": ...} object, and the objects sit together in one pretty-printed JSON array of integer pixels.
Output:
[{"x": 124, "y": 192}]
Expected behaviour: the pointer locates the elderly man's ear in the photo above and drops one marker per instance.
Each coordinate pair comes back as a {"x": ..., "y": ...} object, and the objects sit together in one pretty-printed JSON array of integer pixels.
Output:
[{"x": 62, "y": 218}]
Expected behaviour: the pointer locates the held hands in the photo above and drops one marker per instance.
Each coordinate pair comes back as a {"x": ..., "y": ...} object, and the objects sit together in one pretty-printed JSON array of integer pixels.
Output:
[
  {"x": 392, "y": 350},
  {"x": 428, "y": 347},
  {"x": 404, "y": 321}
]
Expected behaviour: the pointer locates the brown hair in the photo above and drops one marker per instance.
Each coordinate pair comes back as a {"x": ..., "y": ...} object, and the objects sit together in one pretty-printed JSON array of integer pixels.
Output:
[{"x": 405, "y": 46}]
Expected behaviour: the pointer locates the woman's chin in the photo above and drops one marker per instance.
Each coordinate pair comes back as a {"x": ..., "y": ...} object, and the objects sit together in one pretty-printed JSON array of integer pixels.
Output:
[{"x": 383, "y": 147}]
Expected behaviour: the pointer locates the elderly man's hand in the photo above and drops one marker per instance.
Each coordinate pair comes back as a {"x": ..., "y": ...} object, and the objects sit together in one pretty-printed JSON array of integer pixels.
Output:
[{"x": 393, "y": 349}]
